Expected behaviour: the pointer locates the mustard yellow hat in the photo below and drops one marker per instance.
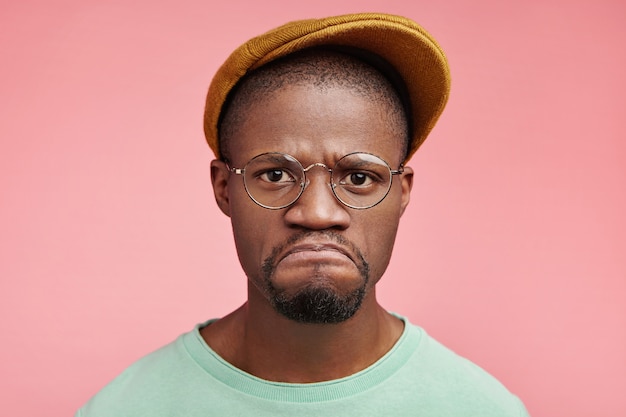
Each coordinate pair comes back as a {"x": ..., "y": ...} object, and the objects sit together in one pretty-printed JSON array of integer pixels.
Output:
[{"x": 404, "y": 44}]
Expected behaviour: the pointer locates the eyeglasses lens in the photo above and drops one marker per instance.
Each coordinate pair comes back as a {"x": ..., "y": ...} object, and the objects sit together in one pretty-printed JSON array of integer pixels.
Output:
[
  {"x": 274, "y": 180},
  {"x": 361, "y": 180}
]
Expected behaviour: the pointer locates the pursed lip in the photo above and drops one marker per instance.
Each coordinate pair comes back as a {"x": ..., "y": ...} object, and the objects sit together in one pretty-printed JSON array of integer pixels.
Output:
[{"x": 316, "y": 247}]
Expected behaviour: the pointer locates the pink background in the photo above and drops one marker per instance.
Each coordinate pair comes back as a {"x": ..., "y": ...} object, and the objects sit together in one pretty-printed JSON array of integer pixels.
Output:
[{"x": 512, "y": 251}]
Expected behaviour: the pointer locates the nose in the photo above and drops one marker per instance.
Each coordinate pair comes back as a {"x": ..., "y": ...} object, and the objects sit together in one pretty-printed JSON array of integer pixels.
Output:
[{"x": 317, "y": 208}]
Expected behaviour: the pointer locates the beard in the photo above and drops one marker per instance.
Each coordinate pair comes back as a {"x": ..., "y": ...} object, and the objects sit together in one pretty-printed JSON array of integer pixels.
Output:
[{"x": 318, "y": 302}]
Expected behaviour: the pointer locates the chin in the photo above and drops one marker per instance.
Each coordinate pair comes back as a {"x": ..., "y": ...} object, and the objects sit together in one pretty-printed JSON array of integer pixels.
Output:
[{"x": 318, "y": 305}]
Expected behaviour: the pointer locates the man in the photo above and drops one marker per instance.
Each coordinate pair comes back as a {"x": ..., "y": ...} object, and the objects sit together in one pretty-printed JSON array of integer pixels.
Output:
[{"x": 312, "y": 124}]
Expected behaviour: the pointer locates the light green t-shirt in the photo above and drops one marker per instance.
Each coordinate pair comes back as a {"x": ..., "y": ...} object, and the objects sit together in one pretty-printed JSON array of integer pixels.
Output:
[{"x": 417, "y": 377}]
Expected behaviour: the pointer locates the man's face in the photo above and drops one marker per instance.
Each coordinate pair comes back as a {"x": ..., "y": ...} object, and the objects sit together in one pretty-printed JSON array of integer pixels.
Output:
[{"x": 316, "y": 260}]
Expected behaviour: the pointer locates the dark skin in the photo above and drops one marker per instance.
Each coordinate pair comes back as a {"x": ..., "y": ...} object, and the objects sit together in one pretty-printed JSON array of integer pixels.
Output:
[{"x": 314, "y": 126}]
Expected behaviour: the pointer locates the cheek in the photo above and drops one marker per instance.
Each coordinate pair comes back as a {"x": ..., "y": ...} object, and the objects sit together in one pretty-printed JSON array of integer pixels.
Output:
[
  {"x": 248, "y": 243},
  {"x": 380, "y": 231},
  {"x": 252, "y": 230},
  {"x": 384, "y": 229}
]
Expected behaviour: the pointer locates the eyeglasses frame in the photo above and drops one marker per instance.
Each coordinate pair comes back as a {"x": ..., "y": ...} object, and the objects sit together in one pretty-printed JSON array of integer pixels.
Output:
[{"x": 305, "y": 182}]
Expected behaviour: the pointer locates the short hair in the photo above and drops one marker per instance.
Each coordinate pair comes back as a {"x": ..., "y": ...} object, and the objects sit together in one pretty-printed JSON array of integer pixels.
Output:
[{"x": 322, "y": 68}]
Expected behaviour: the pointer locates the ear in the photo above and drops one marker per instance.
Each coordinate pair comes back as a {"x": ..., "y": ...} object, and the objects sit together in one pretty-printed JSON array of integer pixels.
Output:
[
  {"x": 219, "y": 178},
  {"x": 406, "y": 179}
]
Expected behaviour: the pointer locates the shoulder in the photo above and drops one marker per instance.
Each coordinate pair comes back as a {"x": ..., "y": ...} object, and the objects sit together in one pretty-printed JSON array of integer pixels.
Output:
[
  {"x": 435, "y": 372},
  {"x": 148, "y": 383}
]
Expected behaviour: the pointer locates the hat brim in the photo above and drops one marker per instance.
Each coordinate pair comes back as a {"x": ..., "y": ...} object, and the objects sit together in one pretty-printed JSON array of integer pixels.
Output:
[{"x": 404, "y": 44}]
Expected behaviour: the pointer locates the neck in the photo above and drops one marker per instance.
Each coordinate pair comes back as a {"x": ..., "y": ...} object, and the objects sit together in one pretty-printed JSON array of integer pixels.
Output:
[{"x": 260, "y": 341}]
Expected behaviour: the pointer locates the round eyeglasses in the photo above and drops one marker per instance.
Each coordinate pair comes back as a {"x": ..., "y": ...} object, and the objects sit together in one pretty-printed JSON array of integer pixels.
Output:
[{"x": 276, "y": 180}]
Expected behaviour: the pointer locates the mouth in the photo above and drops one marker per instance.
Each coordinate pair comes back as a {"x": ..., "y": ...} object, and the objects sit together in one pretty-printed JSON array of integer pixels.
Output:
[{"x": 316, "y": 250}]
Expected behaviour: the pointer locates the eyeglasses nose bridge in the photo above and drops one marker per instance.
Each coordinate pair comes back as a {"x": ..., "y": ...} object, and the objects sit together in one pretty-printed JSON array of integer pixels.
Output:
[{"x": 307, "y": 169}]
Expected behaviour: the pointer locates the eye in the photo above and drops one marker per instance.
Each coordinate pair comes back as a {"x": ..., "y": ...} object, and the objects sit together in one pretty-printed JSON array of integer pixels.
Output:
[
  {"x": 357, "y": 178},
  {"x": 276, "y": 175},
  {"x": 361, "y": 179}
]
